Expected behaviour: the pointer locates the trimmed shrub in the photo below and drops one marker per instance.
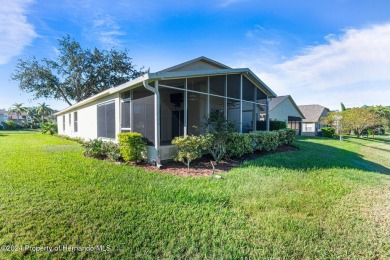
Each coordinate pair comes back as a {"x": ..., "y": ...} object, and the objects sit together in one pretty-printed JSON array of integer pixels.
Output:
[
  {"x": 111, "y": 151},
  {"x": 94, "y": 148},
  {"x": 238, "y": 145},
  {"x": 277, "y": 125},
  {"x": 99, "y": 149},
  {"x": 262, "y": 140},
  {"x": 286, "y": 136},
  {"x": 328, "y": 132},
  {"x": 131, "y": 146},
  {"x": 190, "y": 148}
]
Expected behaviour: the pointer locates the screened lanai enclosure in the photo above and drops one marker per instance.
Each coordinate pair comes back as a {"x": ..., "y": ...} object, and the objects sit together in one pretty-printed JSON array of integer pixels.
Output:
[
  {"x": 185, "y": 103},
  {"x": 169, "y": 103}
]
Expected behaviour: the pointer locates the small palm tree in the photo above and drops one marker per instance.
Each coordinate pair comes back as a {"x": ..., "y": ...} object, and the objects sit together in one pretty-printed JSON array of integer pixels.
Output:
[
  {"x": 18, "y": 108},
  {"x": 44, "y": 110},
  {"x": 49, "y": 127}
]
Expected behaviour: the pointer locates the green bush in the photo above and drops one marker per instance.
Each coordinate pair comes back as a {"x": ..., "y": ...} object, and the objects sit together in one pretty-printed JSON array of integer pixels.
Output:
[
  {"x": 111, "y": 151},
  {"x": 9, "y": 125},
  {"x": 131, "y": 146},
  {"x": 262, "y": 140},
  {"x": 49, "y": 127},
  {"x": 277, "y": 125},
  {"x": 218, "y": 132},
  {"x": 216, "y": 144},
  {"x": 190, "y": 148},
  {"x": 286, "y": 136},
  {"x": 328, "y": 132},
  {"x": 238, "y": 145},
  {"x": 99, "y": 149},
  {"x": 94, "y": 148},
  {"x": 273, "y": 125}
]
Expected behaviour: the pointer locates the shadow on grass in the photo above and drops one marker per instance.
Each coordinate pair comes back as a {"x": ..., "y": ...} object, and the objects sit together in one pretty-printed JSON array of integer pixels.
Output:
[{"x": 318, "y": 155}]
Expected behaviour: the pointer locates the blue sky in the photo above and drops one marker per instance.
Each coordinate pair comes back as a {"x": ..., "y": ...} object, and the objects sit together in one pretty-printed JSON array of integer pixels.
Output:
[{"x": 320, "y": 52}]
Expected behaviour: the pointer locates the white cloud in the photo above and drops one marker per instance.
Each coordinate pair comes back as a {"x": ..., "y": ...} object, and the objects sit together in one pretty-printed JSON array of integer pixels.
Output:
[
  {"x": 16, "y": 32},
  {"x": 106, "y": 30},
  {"x": 226, "y": 3},
  {"x": 353, "y": 68}
]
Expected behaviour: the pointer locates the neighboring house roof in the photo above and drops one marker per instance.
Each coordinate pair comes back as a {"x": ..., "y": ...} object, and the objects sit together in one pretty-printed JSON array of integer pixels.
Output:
[
  {"x": 278, "y": 100},
  {"x": 313, "y": 113},
  {"x": 179, "y": 71}
]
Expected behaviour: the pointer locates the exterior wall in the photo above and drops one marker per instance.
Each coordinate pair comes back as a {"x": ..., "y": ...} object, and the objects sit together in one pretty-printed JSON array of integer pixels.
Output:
[
  {"x": 282, "y": 111},
  {"x": 87, "y": 119}
]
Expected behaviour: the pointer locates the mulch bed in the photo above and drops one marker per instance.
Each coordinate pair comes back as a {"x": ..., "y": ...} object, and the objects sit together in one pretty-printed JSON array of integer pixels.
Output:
[{"x": 202, "y": 167}]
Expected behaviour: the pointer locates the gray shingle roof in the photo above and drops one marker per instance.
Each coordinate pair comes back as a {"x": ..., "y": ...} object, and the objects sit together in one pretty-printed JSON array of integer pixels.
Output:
[{"x": 313, "y": 112}]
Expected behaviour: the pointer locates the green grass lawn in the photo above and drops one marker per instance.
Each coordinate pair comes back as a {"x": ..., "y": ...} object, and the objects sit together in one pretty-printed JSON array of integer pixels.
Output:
[{"x": 329, "y": 199}]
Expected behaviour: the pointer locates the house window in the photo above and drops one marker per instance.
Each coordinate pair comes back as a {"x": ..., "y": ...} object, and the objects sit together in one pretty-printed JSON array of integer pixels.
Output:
[
  {"x": 309, "y": 128},
  {"x": 106, "y": 120},
  {"x": 70, "y": 119},
  {"x": 75, "y": 121},
  {"x": 63, "y": 123}
]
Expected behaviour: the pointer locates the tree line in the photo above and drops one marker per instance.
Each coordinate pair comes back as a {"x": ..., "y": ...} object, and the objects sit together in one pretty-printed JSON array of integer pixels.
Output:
[{"x": 359, "y": 120}]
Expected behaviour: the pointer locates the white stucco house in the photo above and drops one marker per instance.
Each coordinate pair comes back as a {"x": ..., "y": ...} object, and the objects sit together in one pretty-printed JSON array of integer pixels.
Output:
[
  {"x": 284, "y": 108},
  {"x": 312, "y": 123},
  {"x": 169, "y": 103}
]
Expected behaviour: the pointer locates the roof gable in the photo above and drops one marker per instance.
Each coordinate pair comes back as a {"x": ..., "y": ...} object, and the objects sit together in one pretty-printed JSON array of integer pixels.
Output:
[
  {"x": 278, "y": 100},
  {"x": 313, "y": 113},
  {"x": 201, "y": 63}
]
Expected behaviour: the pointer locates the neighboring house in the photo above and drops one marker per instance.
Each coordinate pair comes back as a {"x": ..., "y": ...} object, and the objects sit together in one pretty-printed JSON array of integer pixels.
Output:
[
  {"x": 313, "y": 115},
  {"x": 14, "y": 117},
  {"x": 170, "y": 103},
  {"x": 283, "y": 108},
  {"x": 3, "y": 116}
]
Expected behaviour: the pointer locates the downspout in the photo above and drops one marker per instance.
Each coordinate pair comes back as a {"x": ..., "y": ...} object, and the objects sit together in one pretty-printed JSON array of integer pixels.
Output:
[{"x": 156, "y": 119}]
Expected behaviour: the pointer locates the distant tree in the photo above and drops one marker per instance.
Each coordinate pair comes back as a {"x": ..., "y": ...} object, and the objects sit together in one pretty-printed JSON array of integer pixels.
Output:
[
  {"x": 76, "y": 74},
  {"x": 18, "y": 109},
  {"x": 359, "y": 119},
  {"x": 43, "y": 110},
  {"x": 335, "y": 119},
  {"x": 383, "y": 112}
]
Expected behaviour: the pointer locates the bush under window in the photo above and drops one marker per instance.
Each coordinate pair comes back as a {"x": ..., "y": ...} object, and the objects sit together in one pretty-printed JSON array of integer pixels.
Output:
[{"x": 132, "y": 146}]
